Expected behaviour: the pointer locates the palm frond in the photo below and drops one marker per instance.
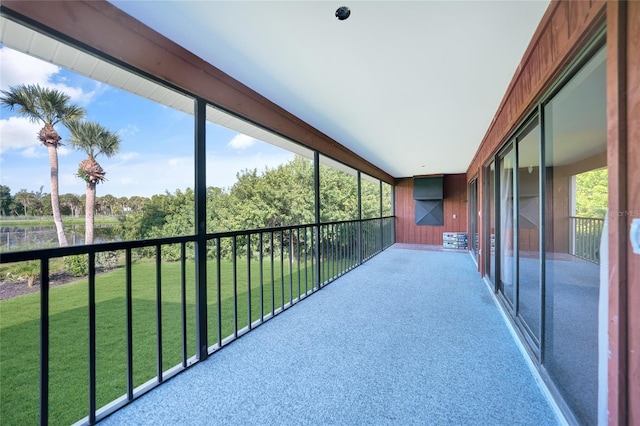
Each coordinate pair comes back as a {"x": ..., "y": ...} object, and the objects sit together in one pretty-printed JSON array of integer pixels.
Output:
[
  {"x": 93, "y": 138},
  {"x": 38, "y": 103}
]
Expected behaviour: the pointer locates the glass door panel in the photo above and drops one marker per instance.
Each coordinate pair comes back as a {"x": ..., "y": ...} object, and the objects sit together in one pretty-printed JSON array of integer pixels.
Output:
[
  {"x": 575, "y": 129},
  {"x": 490, "y": 222},
  {"x": 529, "y": 296},
  {"x": 473, "y": 218},
  {"x": 506, "y": 215}
]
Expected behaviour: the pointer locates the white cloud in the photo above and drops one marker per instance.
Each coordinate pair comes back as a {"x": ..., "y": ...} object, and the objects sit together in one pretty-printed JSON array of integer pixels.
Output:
[
  {"x": 241, "y": 142},
  {"x": 130, "y": 130},
  {"x": 18, "y": 133},
  {"x": 126, "y": 156},
  {"x": 32, "y": 152},
  {"x": 19, "y": 68},
  {"x": 174, "y": 162},
  {"x": 76, "y": 94}
]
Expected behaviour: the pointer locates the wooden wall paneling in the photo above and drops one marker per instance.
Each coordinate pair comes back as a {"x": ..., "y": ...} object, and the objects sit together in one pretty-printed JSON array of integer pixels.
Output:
[{"x": 455, "y": 202}]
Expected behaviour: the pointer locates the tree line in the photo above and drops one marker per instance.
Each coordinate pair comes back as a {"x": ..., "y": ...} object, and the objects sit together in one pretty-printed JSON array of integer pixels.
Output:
[
  {"x": 25, "y": 203},
  {"x": 281, "y": 196}
]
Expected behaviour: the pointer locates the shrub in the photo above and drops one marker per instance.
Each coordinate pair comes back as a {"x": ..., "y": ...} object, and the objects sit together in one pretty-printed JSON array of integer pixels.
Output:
[
  {"x": 77, "y": 265},
  {"x": 29, "y": 271},
  {"x": 107, "y": 259}
]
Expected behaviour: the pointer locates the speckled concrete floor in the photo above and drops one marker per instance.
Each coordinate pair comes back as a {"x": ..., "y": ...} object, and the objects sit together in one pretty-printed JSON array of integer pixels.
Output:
[{"x": 410, "y": 337}]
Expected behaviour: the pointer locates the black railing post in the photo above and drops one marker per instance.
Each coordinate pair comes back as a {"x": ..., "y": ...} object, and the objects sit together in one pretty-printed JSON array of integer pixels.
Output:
[
  {"x": 129, "y": 314},
  {"x": 380, "y": 215},
  {"x": 281, "y": 269},
  {"x": 218, "y": 293},
  {"x": 201, "y": 228},
  {"x": 359, "y": 227},
  {"x": 44, "y": 341},
  {"x": 316, "y": 190},
  {"x": 249, "y": 281},
  {"x": 260, "y": 256},
  {"x": 234, "y": 255},
  {"x": 273, "y": 279},
  {"x": 183, "y": 302},
  {"x": 92, "y": 338},
  {"x": 306, "y": 267},
  {"x": 159, "y": 312}
]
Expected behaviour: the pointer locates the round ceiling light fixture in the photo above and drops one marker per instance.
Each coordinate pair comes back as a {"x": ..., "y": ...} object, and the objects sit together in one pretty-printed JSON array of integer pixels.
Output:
[{"x": 343, "y": 13}]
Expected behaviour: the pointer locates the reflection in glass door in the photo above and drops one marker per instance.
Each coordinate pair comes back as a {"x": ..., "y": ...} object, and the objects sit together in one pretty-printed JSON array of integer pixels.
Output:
[
  {"x": 528, "y": 239},
  {"x": 473, "y": 218},
  {"x": 575, "y": 144},
  {"x": 490, "y": 222}
]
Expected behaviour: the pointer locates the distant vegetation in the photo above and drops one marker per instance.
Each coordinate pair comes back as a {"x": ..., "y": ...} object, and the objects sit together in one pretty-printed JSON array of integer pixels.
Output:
[
  {"x": 592, "y": 193},
  {"x": 274, "y": 197}
]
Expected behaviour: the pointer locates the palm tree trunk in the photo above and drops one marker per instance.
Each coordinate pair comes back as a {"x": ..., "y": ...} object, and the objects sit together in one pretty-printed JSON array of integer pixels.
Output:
[
  {"x": 55, "y": 196},
  {"x": 88, "y": 212}
]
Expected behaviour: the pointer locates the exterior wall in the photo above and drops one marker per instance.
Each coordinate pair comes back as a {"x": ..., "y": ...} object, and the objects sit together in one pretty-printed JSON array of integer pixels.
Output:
[
  {"x": 455, "y": 202},
  {"x": 565, "y": 28}
]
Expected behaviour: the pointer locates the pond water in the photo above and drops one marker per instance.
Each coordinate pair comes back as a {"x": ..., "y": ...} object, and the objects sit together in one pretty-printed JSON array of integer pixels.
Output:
[{"x": 15, "y": 238}]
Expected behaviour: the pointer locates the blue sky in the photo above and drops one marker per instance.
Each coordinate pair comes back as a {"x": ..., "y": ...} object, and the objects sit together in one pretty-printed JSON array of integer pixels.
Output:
[{"x": 156, "y": 152}]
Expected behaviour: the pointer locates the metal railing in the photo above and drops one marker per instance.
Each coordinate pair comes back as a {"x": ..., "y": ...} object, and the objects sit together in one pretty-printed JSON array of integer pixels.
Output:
[
  {"x": 586, "y": 233},
  {"x": 164, "y": 309}
]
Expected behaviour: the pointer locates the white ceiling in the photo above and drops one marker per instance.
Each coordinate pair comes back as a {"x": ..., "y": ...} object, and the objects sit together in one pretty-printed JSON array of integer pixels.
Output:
[{"x": 410, "y": 86}]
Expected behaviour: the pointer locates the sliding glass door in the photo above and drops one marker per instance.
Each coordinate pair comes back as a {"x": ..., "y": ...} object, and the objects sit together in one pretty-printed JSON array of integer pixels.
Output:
[{"x": 546, "y": 198}]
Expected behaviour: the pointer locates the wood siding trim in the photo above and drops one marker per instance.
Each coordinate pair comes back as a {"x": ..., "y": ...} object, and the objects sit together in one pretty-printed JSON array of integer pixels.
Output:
[
  {"x": 455, "y": 202},
  {"x": 616, "y": 154},
  {"x": 631, "y": 130},
  {"x": 103, "y": 27}
]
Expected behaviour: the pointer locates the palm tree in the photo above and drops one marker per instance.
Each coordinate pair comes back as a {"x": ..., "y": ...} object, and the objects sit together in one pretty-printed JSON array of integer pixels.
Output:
[
  {"x": 49, "y": 107},
  {"x": 24, "y": 199},
  {"x": 73, "y": 202},
  {"x": 94, "y": 139}
]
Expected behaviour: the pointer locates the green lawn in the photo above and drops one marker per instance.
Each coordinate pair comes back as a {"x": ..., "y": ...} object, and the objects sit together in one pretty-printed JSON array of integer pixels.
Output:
[{"x": 68, "y": 385}]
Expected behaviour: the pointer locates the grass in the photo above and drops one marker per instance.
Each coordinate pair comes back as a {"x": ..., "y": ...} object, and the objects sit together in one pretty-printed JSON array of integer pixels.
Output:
[{"x": 68, "y": 359}]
